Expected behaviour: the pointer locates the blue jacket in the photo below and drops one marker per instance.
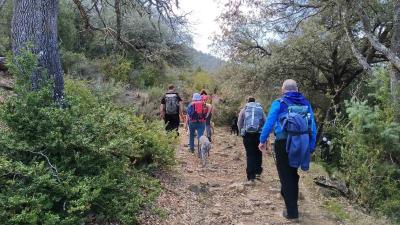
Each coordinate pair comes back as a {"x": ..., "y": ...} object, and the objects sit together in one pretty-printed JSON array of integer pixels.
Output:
[{"x": 277, "y": 109}]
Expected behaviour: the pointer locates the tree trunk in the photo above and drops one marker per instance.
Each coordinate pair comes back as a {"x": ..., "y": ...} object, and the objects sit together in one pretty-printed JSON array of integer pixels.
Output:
[
  {"x": 395, "y": 73},
  {"x": 3, "y": 64},
  {"x": 35, "y": 22}
]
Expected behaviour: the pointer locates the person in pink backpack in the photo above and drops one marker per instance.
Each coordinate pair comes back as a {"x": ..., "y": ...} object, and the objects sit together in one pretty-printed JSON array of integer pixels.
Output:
[{"x": 197, "y": 113}]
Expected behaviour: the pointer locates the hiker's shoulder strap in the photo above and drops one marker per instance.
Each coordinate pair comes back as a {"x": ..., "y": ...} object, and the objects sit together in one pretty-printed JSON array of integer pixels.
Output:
[{"x": 282, "y": 100}]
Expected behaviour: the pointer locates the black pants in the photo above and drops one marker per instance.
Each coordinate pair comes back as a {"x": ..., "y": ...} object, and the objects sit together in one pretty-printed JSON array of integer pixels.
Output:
[
  {"x": 172, "y": 122},
  {"x": 253, "y": 155},
  {"x": 289, "y": 179}
]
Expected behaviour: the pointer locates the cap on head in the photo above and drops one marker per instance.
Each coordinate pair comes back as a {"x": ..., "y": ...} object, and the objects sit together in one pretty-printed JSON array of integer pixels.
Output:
[
  {"x": 251, "y": 99},
  {"x": 196, "y": 97},
  {"x": 289, "y": 85}
]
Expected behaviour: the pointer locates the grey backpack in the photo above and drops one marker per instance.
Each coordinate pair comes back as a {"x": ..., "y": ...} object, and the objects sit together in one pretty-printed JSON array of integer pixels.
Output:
[
  {"x": 253, "y": 117},
  {"x": 171, "y": 103}
]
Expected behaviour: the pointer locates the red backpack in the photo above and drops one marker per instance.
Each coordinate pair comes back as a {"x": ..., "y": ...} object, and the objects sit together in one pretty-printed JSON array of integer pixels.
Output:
[{"x": 197, "y": 111}]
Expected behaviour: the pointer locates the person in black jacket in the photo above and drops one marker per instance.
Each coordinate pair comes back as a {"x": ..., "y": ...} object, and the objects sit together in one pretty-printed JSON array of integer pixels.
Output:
[{"x": 171, "y": 109}]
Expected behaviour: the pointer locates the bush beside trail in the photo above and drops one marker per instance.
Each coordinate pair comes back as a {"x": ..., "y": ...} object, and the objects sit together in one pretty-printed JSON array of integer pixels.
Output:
[{"x": 89, "y": 162}]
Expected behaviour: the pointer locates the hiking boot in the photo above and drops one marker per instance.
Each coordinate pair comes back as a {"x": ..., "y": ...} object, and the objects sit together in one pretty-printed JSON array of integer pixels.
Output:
[
  {"x": 291, "y": 218},
  {"x": 250, "y": 182},
  {"x": 258, "y": 176}
]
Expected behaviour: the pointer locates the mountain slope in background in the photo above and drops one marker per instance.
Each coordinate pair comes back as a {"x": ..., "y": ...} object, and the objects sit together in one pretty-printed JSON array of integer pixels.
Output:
[{"x": 205, "y": 61}]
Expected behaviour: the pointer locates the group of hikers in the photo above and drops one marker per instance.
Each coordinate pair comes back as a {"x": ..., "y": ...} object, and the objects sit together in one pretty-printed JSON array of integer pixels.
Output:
[
  {"x": 197, "y": 118},
  {"x": 290, "y": 117}
]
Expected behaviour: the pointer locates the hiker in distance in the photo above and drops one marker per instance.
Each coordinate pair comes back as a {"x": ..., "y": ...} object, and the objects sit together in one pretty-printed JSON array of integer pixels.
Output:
[
  {"x": 295, "y": 129},
  {"x": 171, "y": 109},
  {"x": 197, "y": 112},
  {"x": 250, "y": 122}
]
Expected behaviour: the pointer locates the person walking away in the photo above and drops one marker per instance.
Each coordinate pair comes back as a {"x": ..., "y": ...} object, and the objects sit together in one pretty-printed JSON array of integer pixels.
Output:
[
  {"x": 295, "y": 130},
  {"x": 234, "y": 125},
  {"x": 197, "y": 113},
  {"x": 251, "y": 120},
  {"x": 205, "y": 98},
  {"x": 171, "y": 109}
]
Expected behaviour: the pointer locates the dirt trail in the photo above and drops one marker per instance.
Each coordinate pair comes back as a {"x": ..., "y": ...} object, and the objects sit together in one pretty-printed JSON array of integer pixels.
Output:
[{"x": 216, "y": 194}]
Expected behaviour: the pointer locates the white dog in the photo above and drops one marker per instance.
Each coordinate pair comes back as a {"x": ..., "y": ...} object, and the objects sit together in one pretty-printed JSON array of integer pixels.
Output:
[{"x": 204, "y": 150}]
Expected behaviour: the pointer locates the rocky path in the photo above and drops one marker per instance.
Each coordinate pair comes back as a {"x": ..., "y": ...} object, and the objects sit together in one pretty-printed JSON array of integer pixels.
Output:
[{"x": 216, "y": 194}]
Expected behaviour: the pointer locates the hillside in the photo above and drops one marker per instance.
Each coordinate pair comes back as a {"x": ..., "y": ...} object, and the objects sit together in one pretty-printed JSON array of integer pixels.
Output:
[{"x": 205, "y": 61}]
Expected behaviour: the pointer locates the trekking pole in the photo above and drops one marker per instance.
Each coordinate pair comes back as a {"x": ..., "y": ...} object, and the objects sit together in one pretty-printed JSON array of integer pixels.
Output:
[
  {"x": 198, "y": 145},
  {"x": 273, "y": 152}
]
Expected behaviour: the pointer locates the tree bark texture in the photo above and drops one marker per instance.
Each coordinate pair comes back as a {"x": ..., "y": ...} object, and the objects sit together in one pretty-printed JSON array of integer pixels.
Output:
[
  {"x": 395, "y": 73},
  {"x": 35, "y": 22}
]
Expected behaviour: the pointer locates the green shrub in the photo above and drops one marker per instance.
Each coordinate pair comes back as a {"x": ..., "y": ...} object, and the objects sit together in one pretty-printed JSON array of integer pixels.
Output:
[
  {"x": 148, "y": 76},
  {"x": 370, "y": 149},
  {"x": 78, "y": 66},
  {"x": 149, "y": 104},
  {"x": 117, "y": 67},
  {"x": 63, "y": 166}
]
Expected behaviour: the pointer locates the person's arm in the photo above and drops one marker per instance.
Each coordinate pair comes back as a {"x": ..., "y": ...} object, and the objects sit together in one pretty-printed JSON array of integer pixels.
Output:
[
  {"x": 186, "y": 122},
  {"x": 162, "y": 111},
  {"x": 162, "y": 108},
  {"x": 187, "y": 116},
  {"x": 263, "y": 118},
  {"x": 313, "y": 139},
  {"x": 180, "y": 101},
  {"x": 181, "y": 108},
  {"x": 209, "y": 108},
  {"x": 240, "y": 122},
  {"x": 270, "y": 121}
]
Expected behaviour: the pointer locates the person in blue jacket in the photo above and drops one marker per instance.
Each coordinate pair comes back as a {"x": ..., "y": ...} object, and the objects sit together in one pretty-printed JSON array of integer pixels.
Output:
[{"x": 288, "y": 175}]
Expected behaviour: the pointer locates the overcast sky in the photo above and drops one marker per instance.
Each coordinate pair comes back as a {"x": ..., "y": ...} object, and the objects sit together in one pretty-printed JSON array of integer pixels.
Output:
[{"x": 202, "y": 19}]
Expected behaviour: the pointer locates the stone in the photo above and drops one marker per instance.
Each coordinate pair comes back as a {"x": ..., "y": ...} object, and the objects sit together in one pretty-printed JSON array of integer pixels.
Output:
[
  {"x": 189, "y": 170},
  {"x": 222, "y": 154},
  {"x": 216, "y": 212},
  {"x": 215, "y": 185},
  {"x": 249, "y": 183},
  {"x": 247, "y": 212},
  {"x": 275, "y": 190},
  {"x": 256, "y": 203},
  {"x": 273, "y": 207},
  {"x": 267, "y": 202},
  {"x": 237, "y": 156},
  {"x": 301, "y": 196},
  {"x": 198, "y": 188},
  {"x": 237, "y": 187}
]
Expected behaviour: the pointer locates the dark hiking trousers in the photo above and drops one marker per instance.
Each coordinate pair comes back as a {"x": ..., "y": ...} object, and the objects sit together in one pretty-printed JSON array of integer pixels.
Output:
[
  {"x": 172, "y": 121},
  {"x": 253, "y": 155},
  {"x": 289, "y": 179}
]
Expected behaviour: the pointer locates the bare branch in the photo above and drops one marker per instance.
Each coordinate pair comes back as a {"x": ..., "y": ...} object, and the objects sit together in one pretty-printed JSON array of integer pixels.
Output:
[
  {"x": 361, "y": 59},
  {"x": 52, "y": 167},
  {"x": 390, "y": 55},
  {"x": 84, "y": 15}
]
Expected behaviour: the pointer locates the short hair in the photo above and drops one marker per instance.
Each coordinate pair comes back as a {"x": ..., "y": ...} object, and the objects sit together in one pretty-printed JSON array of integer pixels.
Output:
[
  {"x": 203, "y": 92},
  {"x": 171, "y": 87},
  {"x": 289, "y": 85},
  {"x": 251, "y": 99}
]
